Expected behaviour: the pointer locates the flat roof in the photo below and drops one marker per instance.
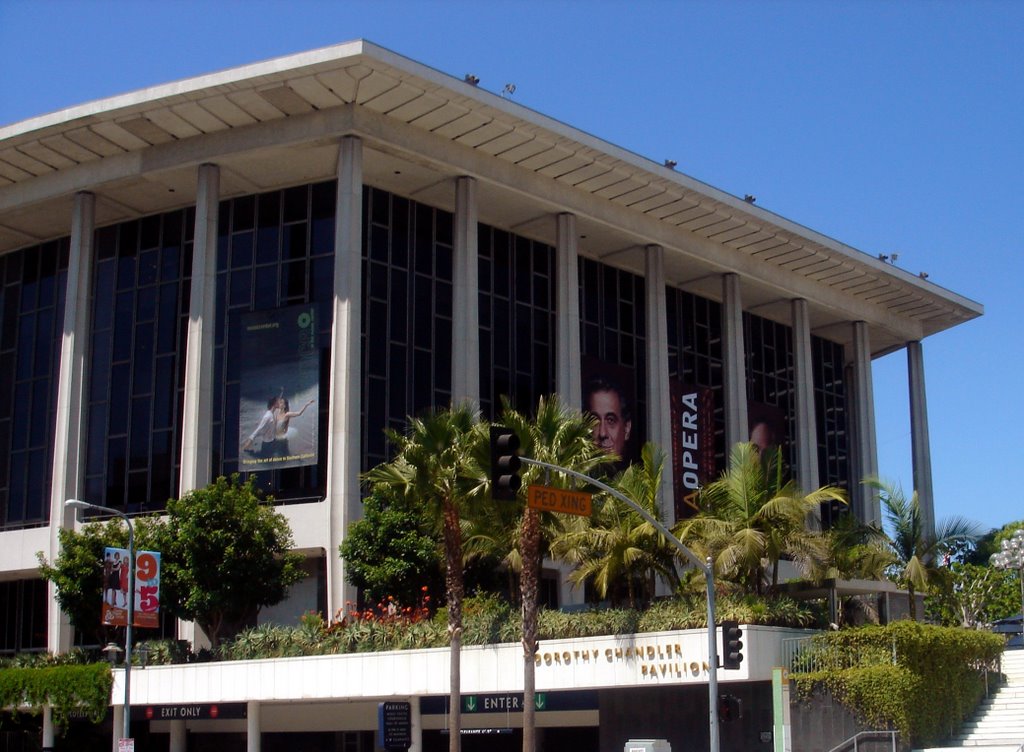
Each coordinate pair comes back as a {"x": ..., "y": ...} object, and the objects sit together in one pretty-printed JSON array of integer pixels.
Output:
[{"x": 276, "y": 123}]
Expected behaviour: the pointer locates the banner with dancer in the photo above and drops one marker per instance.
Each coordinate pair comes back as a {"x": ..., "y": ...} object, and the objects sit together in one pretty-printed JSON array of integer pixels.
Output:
[{"x": 280, "y": 381}]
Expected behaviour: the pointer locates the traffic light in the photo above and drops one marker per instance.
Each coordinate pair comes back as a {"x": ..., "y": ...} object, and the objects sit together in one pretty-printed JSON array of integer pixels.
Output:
[
  {"x": 732, "y": 645},
  {"x": 505, "y": 463},
  {"x": 729, "y": 708}
]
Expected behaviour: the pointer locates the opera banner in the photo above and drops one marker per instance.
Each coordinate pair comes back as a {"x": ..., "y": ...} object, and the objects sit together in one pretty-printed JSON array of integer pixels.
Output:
[
  {"x": 693, "y": 444},
  {"x": 116, "y": 577},
  {"x": 609, "y": 395},
  {"x": 280, "y": 380}
]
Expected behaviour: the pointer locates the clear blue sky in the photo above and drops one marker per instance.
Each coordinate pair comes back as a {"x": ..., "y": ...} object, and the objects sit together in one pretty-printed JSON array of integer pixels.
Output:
[{"x": 891, "y": 126}]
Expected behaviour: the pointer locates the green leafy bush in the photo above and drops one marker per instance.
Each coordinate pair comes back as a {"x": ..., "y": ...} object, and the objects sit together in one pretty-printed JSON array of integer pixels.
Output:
[
  {"x": 64, "y": 687},
  {"x": 921, "y": 680},
  {"x": 556, "y": 625},
  {"x": 692, "y": 612}
]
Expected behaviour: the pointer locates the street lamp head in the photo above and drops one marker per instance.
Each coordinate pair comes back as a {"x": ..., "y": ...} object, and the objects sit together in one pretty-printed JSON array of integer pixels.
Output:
[{"x": 76, "y": 504}]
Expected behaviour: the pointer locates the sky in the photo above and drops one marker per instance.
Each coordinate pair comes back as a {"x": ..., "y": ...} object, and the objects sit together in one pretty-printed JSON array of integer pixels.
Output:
[{"x": 894, "y": 127}]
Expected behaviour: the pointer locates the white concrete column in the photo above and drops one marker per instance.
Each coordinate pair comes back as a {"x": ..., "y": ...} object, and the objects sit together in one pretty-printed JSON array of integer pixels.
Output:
[
  {"x": 344, "y": 424},
  {"x": 48, "y": 729},
  {"x": 568, "y": 358},
  {"x": 252, "y": 726},
  {"x": 197, "y": 411},
  {"x": 118, "y": 725},
  {"x": 69, "y": 443},
  {"x": 659, "y": 397},
  {"x": 806, "y": 417},
  {"x": 179, "y": 737},
  {"x": 919, "y": 438},
  {"x": 867, "y": 508},
  {"x": 734, "y": 364},
  {"x": 568, "y": 376},
  {"x": 416, "y": 724},
  {"x": 465, "y": 308}
]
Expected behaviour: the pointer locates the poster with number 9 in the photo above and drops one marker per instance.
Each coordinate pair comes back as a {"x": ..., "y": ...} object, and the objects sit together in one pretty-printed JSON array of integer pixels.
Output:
[{"x": 115, "y": 588}]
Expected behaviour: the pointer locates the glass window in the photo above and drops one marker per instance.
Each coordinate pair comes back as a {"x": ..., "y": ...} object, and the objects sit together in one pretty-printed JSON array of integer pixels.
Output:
[
  {"x": 23, "y": 616},
  {"x": 695, "y": 352},
  {"x": 609, "y": 330},
  {"x": 515, "y": 322},
  {"x": 770, "y": 375},
  {"x": 406, "y": 327},
  {"x": 31, "y": 324},
  {"x": 828, "y": 364},
  {"x": 290, "y": 265},
  {"x": 139, "y": 316}
]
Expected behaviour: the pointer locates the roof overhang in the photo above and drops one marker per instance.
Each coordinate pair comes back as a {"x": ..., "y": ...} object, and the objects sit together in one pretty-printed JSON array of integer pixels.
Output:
[{"x": 278, "y": 122}]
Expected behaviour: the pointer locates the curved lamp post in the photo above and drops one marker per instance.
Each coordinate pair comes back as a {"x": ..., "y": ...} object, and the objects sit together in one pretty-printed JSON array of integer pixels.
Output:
[
  {"x": 1011, "y": 556},
  {"x": 76, "y": 504}
]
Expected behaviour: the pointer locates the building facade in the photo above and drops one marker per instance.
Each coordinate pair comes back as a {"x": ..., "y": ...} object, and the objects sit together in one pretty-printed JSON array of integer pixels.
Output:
[{"x": 436, "y": 243}]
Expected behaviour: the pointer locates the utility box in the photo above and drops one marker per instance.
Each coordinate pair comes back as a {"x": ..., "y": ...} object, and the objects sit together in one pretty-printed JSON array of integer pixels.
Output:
[{"x": 647, "y": 745}]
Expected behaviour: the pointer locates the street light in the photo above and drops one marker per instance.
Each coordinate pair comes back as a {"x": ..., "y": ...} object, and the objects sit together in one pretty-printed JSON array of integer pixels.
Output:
[
  {"x": 76, "y": 504},
  {"x": 1011, "y": 556}
]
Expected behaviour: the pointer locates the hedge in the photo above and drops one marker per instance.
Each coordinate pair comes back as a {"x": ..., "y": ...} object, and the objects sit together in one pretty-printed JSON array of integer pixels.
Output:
[{"x": 921, "y": 680}]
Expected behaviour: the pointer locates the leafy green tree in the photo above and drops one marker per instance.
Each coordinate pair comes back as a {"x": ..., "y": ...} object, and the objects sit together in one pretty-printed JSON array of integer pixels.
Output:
[
  {"x": 224, "y": 555},
  {"x": 618, "y": 549},
  {"x": 77, "y": 572},
  {"x": 915, "y": 551},
  {"x": 393, "y": 550},
  {"x": 972, "y": 596},
  {"x": 751, "y": 517},
  {"x": 437, "y": 464},
  {"x": 981, "y": 550}
]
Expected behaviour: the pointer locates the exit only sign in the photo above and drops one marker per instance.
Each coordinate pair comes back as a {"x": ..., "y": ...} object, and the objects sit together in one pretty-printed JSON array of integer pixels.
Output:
[{"x": 562, "y": 500}]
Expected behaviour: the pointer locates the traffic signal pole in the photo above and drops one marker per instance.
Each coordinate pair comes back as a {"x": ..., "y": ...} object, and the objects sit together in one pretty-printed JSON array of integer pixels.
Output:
[{"x": 704, "y": 566}]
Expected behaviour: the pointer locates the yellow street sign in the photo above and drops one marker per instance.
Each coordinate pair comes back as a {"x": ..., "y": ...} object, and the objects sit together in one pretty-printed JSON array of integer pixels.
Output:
[{"x": 549, "y": 499}]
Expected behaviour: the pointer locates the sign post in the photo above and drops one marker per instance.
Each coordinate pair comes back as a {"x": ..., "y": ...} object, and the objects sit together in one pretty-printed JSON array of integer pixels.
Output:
[{"x": 704, "y": 566}]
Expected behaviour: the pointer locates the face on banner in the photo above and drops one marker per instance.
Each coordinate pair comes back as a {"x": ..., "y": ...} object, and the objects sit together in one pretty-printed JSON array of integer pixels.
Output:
[
  {"x": 116, "y": 579},
  {"x": 280, "y": 373},
  {"x": 767, "y": 425},
  {"x": 607, "y": 397}
]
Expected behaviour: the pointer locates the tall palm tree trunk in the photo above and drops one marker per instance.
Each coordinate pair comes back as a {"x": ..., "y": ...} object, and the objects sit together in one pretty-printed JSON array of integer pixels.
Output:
[
  {"x": 529, "y": 577},
  {"x": 454, "y": 585}
]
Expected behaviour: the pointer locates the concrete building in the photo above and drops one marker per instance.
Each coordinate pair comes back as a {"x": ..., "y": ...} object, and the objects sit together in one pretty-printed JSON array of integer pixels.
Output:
[{"x": 440, "y": 243}]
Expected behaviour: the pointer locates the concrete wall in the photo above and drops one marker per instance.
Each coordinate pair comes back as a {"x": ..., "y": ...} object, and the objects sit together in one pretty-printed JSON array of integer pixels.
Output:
[
  {"x": 821, "y": 722},
  {"x": 680, "y": 715}
]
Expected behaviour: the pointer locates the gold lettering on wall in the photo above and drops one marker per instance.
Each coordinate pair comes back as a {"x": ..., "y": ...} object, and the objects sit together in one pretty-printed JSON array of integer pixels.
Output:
[{"x": 657, "y": 660}]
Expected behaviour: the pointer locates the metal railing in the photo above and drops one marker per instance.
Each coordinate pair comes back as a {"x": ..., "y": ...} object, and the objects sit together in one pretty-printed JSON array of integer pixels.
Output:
[
  {"x": 855, "y": 740},
  {"x": 806, "y": 655}
]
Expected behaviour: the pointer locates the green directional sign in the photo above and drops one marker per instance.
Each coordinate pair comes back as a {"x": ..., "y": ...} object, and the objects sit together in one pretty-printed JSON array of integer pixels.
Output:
[
  {"x": 469, "y": 704},
  {"x": 540, "y": 700}
]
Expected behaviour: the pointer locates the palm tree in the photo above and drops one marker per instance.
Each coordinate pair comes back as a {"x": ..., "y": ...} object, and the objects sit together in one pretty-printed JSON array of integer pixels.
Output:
[
  {"x": 856, "y": 551},
  {"x": 618, "y": 545},
  {"x": 751, "y": 517},
  {"x": 914, "y": 548},
  {"x": 437, "y": 464},
  {"x": 557, "y": 435}
]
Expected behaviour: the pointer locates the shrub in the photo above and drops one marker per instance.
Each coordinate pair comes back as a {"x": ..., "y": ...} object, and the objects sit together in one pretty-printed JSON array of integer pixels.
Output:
[
  {"x": 918, "y": 679},
  {"x": 65, "y": 687}
]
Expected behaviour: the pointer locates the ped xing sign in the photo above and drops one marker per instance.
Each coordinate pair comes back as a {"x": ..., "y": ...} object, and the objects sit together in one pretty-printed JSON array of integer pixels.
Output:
[{"x": 560, "y": 500}]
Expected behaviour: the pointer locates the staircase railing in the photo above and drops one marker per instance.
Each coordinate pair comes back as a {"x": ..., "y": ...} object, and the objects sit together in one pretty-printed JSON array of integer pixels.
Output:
[{"x": 853, "y": 742}]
